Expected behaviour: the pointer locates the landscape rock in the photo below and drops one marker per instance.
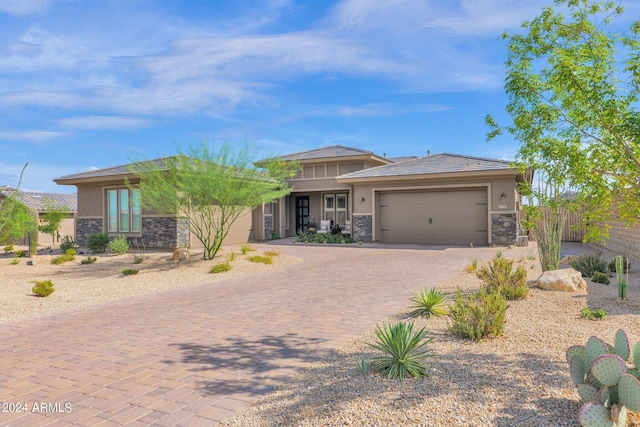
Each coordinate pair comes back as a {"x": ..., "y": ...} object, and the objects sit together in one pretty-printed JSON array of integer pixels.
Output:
[
  {"x": 180, "y": 254},
  {"x": 566, "y": 280}
]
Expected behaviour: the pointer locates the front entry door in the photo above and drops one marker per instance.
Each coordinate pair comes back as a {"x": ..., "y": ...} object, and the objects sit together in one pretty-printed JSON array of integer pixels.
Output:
[{"x": 302, "y": 213}]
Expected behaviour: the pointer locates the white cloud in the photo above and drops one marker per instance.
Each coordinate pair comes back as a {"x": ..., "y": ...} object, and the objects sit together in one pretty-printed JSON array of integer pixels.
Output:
[
  {"x": 24, "y": 7},
  {"x": 34, "y": 136},
  {"x": 105, "y": 122}
]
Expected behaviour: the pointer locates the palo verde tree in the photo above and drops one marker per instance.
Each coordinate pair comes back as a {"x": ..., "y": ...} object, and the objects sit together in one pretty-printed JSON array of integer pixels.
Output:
[
  {"x": 572, "y": 83},
  {"x": 211, "y": 188},
  {"x": 52, "y": 218},
  {"x": 15, "y": 219}
]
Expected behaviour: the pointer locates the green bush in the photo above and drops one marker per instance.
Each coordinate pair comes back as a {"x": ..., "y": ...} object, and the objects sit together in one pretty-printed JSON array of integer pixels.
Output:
[
  {"x": 43, "y": 288},
  {"x": 599, "y": 277},
  {"x": 128, "y": 271},
  {"x": 594, "y": 314},
  {"x": 119, "y": 245},
  {"x": 9, "y": 248},
  {"x": 20, "y": 253},
  {"x": 63, "y": 258},
  {"x": 589, "y": 263},
  {"x": 138, "y": 259},
  {"x": 403, "y": 350},
  {"x": 261, "y": 258},
  {"x": 625, "y": 265},
  {"x": 220, "y": 268},
  {"x": 477, "y": 316},
  {"x": 246, "y": 248},
  {"x": 306, "y": 237},
  {"x": 427, "y": 303},
  {"x": 498, "y": 276},
  {"x": 70, "y": 252},
  {"x": 98, "y": 242},
  {"x": 15, "y": 260},
  {"x": 68, "y": 243},
  {"x": 88, "y": 260}
]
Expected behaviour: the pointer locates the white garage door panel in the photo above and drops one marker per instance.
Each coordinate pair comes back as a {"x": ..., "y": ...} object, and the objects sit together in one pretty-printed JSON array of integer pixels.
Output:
[{"x": 438, "y": 217}]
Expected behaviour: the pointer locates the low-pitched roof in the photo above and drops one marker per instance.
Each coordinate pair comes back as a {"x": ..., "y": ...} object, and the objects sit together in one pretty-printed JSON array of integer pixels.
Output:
[
  {"x": 434, "y": 164},
  {"x": 329, "y": 152},
  {"x": 38, "y": 200},
  {"x": 110, "y": 171}
]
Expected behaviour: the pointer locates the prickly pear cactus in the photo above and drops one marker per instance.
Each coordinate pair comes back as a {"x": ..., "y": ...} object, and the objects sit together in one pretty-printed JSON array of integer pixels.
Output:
[{"x": 607, "y": 380}]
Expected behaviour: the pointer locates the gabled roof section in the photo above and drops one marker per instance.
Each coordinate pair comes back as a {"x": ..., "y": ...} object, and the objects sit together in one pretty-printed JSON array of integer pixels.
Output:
[
  {"x": 434, "y": 164},
  {"x": 335, "y": 151},
  {"x": 38, "y": 201},
  {"x": 121, "y": 170}
]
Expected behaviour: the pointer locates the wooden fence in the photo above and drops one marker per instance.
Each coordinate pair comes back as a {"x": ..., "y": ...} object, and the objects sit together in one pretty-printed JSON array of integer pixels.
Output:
[{"x": 573, "y": 230}]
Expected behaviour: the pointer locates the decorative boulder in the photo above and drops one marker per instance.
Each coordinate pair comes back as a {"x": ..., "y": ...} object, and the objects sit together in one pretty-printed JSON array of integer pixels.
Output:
[
  {"x": 180, "y": 254},
  {"x": 566, "y": 280}
]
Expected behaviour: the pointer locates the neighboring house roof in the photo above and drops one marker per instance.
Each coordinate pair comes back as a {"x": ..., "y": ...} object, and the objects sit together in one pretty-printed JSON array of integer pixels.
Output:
[
  {"x": 111, "y": 171},
  {"x": 329, "y": 152},
  {"x": 37, "y": 200},
  {"x": 401, "y": 159},
  {"x": 434, "y": 164}
]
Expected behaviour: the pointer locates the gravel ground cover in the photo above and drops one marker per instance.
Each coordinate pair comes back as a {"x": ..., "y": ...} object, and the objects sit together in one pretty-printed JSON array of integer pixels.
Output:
[
  {"x": 519, "y": 379},
  {"x": 78, "y": 285}
]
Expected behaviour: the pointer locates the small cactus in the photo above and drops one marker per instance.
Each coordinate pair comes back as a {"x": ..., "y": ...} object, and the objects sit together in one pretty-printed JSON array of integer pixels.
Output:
[
  {"x": 622, "y": 282},
  {"x": 607, "y": 379}
]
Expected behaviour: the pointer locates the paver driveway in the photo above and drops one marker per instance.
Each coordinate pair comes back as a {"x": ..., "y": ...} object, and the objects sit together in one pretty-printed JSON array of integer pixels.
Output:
[{"x": 194, "y": 356}]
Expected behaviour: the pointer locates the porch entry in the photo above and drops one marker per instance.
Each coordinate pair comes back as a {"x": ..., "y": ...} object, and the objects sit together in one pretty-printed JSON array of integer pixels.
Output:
[{"x": 302, "y": 213}]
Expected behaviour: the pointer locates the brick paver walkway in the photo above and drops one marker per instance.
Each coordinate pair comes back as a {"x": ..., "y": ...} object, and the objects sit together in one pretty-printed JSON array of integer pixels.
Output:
[{"x": 195, "y": 356}]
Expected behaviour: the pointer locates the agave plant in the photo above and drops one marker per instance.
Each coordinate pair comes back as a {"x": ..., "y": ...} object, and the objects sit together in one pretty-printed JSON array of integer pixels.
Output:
[
  {"x": 404, "y": 351},
  {"x": 427, "y": 303}
]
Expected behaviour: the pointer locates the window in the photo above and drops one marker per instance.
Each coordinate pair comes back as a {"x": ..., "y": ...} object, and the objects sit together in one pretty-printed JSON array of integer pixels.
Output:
[
  {"x": 124, "y": 211},
  {"x": 335, "y": 208}
]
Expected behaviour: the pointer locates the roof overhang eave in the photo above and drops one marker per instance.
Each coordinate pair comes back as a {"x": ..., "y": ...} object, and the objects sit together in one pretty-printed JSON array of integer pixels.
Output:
[{"x": 433, "y": 176}]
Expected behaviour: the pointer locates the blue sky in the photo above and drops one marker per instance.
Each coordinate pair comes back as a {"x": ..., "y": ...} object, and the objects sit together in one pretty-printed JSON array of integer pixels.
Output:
[{"x": 85, "y": 84}]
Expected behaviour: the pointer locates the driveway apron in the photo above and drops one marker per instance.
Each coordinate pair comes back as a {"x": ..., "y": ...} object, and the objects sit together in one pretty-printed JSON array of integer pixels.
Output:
[{"x": 197, "y": 355}]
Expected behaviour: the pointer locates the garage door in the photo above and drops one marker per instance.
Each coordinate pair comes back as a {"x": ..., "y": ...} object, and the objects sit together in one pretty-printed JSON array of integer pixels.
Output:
[{"x": 433, "y": 217}]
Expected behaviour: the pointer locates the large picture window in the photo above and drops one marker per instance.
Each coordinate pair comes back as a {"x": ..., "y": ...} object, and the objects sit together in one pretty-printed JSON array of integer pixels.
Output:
[
  {"x": 124, "y": 211},
  {"x": 335, "y": 208}
]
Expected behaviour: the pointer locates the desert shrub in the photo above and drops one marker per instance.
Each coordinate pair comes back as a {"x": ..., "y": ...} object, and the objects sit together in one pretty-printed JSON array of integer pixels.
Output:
[
  {"x": 220, "y": 268},
  {"x": 625, "y": 265},
  {"x": 98, "y": 242},
  {"x": 68, "y": 243},
  {"x": 119, "y": 245},
  {"x": 594, "y": 314},
  {"x": 472, "y": 267},
  {"x": 599, "y": 277},
  {"x": 20, "y": 253},
  {"x": 245, "y": 249},
  {"x": 589, "y": 263},
  {"x": 477, "y": 316},
  {"x": 138, "y": 259},
  {"x": 70, "y": 252},
  {"x": 15, "y": 260},
  {"x": 64, "y": 258},
  {"x": 9, "y": 248},
  {"x": 499, "y": 276},
  {"x": 128, "y": 271},
  {"x": 261, "y": 258},
  {"x": 43, "y": 288},
  {"x": 403, "y": 350},
  {"x": 88, "y": 260},
  {"x": 231, "y": 256},
  {"x": 427, "y": 303},
  {"x": 270, "y": 253},
  {"x": 306, "y": 237}
]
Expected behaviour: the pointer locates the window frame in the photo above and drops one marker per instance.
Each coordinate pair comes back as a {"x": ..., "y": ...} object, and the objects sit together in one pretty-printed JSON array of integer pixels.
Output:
[{"x": 129, "y": 212}]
